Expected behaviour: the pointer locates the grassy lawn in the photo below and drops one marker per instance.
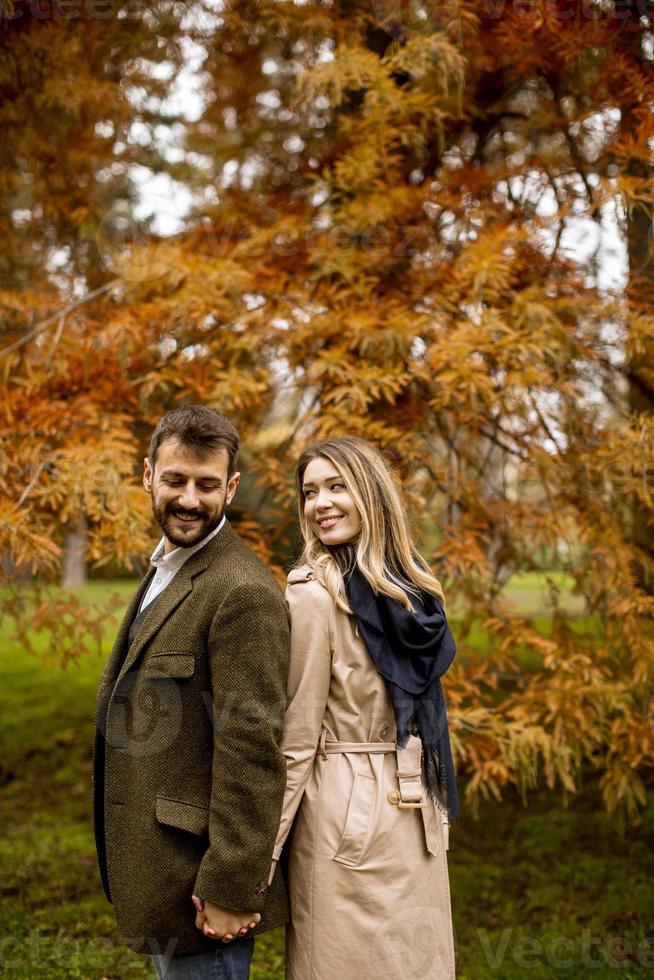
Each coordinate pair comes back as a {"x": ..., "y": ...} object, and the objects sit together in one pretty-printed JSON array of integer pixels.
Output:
[{"x": 537, "y": 893}]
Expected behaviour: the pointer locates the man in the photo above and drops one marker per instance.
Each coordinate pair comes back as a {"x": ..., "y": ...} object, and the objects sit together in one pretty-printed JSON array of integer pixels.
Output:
[{"x": 188, "y": 773}]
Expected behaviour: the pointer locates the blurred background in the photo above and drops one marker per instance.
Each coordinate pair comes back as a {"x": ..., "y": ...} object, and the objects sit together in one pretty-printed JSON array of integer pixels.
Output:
[{"x": 429, "y": 224}]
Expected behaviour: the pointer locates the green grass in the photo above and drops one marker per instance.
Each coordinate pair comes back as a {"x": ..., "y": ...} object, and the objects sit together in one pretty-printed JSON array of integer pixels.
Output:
[{"x": 528, "y": 884}]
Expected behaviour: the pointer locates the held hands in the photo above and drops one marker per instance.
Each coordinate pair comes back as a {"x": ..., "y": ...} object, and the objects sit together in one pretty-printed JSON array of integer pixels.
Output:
[{"x": 220, "y": 923}]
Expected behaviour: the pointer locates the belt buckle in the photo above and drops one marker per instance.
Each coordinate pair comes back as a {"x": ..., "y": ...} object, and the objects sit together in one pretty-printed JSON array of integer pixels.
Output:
[{"x": 395, "y": 797}]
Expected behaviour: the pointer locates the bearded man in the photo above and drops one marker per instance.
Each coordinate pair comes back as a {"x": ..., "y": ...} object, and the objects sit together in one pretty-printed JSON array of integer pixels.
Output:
[{"x": 188, "y": 773}]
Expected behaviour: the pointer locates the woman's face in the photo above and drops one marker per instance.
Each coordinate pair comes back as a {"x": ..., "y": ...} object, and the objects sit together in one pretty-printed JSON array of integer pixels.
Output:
[{"x": 328, "y": 507}]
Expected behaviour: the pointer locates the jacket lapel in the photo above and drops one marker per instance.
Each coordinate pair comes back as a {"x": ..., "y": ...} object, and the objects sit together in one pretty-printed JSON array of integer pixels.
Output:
[
  {"x": 116, "y": 656},
  {"x": 173, "y": 595},
  {"x": 159, "y": 611}
]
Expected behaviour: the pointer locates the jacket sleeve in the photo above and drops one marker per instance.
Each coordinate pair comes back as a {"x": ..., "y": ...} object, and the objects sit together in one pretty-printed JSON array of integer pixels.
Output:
[
  {"x": 248, "y": 651},
  {"x": 311, "y": 609}
]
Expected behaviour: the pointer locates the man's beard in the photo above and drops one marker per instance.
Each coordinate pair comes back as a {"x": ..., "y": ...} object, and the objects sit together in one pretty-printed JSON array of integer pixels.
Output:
[{"x": 164, "y": 514}]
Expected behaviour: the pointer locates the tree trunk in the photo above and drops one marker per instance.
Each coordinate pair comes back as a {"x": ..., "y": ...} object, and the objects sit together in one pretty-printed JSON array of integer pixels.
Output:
[
  {"x": 640, "y": 371},
  {"x": 74, "y": 570}
]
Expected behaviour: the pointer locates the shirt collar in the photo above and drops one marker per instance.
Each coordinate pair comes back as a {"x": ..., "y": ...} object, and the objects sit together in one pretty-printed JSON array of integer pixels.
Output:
[{"x": 175, "y": 559}]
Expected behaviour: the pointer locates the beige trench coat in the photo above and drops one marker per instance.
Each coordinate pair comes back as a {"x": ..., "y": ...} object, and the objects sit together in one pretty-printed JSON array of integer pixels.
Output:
[{"x": 368, "y": 875}]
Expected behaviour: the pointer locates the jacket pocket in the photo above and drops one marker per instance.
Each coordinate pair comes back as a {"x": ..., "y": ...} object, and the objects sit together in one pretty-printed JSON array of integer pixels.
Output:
[
  {"x": 177, "y": 665},
  {"x": 352, "y": 845},
  {"x": 192, "y": 817}
]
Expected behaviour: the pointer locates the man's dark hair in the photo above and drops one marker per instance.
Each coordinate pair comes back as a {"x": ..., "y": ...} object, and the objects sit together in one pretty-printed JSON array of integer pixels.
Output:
[{"x": 199, "y": 429}]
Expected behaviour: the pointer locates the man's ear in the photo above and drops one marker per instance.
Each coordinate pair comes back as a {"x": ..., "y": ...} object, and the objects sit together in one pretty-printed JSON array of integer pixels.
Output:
[
  {"x": 231, "y": 487},
  {"x": 148, "y": 475}
]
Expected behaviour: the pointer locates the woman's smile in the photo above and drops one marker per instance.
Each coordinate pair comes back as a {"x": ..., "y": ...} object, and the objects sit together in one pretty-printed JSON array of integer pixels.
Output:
[{"x": 326, "y": 522}]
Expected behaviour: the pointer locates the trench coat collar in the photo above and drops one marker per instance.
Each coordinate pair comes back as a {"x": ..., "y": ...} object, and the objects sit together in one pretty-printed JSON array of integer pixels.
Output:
[
  {"x": 163, "y": 606},
  {"x": 369, "y": 613}
]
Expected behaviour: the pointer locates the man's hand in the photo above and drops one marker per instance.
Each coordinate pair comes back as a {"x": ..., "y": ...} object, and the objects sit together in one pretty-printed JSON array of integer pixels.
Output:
[{"x": 222, "y": 923}]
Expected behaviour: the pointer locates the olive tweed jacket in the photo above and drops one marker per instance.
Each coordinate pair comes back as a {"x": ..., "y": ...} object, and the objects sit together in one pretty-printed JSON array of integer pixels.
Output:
[{"x": 188, "y": 774}]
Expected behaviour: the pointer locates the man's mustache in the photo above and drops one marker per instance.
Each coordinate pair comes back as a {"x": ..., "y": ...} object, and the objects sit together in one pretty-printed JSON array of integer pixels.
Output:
[{"x": 180, "y": 512}]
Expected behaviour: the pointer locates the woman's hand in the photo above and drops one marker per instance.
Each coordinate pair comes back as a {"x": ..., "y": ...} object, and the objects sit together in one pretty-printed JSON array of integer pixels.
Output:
[{"x": 218, "y": 923}]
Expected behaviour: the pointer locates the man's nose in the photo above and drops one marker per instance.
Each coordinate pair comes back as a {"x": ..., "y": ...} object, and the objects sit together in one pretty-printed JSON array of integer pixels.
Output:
[{"x": 189, "y": 497}]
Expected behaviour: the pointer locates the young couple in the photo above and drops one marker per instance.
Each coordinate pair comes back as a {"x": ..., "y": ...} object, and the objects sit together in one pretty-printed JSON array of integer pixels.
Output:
[{"x": 223, "y": 745}]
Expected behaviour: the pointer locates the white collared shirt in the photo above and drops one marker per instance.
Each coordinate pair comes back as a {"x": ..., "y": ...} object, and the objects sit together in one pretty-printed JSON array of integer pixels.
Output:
[{"x": 168, "y": 565}]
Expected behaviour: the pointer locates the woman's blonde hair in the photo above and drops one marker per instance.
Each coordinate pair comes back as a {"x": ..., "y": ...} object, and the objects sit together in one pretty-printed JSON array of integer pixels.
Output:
[{"x": 384, "y": 550}]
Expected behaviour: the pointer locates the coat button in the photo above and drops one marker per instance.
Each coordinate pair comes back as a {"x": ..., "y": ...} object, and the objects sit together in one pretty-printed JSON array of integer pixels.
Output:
[
  {"x": 384, "y": 730},
  {"x": 394, "y": 796}
]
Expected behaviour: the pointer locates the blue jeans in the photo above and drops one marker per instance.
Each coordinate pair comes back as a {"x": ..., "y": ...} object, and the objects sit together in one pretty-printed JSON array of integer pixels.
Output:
[{"x": 228, "y": 961}]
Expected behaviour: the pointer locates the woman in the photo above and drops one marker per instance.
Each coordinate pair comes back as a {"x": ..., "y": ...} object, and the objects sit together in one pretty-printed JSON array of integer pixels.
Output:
[{"x": 371, "y": 784}]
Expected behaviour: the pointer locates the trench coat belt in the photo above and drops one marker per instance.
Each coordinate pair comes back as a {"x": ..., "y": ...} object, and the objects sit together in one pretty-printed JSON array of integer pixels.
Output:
[
  {"x": 409, "y": 795},
  {"x": 371, "y": 747}
]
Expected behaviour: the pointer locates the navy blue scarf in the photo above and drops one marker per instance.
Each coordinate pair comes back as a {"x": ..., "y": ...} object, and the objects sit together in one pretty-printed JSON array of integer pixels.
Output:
[{"x": 411, "y": 651}]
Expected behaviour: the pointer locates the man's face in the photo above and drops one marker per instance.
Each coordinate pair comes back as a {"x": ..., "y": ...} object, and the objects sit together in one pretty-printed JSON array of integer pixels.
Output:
[{"x": 189, "y": 492}]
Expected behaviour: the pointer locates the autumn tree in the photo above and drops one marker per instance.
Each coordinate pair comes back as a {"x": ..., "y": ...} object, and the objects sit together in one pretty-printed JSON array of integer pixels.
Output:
[
  {"x": 387, "y": 254},
  {"x": 82, "y": 98}
]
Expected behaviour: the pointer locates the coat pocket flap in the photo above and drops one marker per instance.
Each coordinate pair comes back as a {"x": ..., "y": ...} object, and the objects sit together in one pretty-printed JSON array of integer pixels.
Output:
[
  {"x": 185, "y": 816},
  {"x": 169, "y": 665},
  {"x": 355, "y": 836}
]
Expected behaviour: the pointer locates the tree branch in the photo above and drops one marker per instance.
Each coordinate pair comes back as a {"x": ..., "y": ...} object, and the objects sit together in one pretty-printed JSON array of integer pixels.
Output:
[
  {"x": 41, "y": 467},
  {"x": 63, "y": 312}
]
